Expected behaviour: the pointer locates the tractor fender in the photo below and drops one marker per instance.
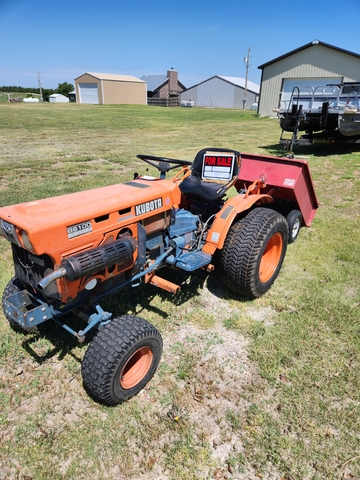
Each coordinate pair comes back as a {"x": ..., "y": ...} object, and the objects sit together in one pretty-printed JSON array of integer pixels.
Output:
[{"x": 226, "y": 216}]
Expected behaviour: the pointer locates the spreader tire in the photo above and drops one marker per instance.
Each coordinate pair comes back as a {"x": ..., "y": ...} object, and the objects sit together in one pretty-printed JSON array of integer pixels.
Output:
[
  {"x": 14, "y": 286},
  {"x": 294, "y": 220},
  {"x": 253, "y": 252},
  {"x": 121, "y": 359}
]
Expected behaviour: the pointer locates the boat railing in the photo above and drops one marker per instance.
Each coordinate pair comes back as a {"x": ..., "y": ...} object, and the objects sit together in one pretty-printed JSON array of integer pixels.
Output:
[
  {"x": 324, "y": 93},
  {"x": 355, "y": 103},
  {"x": 311, "y": 97},
  {"x": 296, "y": 94}
]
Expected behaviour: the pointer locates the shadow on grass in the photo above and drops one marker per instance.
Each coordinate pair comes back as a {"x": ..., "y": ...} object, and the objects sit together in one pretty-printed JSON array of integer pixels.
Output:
[
  {"x": 316, "y": 150},
  {"x": 63, "y": 342},
  {"x": 132, "y": 300}
]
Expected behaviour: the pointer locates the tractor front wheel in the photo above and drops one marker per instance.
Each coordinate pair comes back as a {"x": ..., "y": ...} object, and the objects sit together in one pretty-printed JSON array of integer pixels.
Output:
[
  {"x": 14, "y": 286},
  {"x": 253, "y": 252},
  {"x": 121, "y": 359}
]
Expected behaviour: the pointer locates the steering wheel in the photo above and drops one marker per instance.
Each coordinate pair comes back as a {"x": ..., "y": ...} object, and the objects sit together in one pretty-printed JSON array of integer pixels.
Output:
[{"x": 163, "y": 164}]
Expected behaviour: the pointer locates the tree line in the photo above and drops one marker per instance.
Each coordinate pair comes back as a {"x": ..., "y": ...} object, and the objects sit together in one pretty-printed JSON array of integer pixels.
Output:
[{"x": 63, "y": 88}]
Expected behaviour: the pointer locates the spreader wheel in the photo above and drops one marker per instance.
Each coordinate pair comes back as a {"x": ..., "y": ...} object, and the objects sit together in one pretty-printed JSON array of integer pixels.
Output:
[
  {"x": 253, "y": 252},
  {"x": 121, "y": 359},
  {"x": 294, "y": 220}
]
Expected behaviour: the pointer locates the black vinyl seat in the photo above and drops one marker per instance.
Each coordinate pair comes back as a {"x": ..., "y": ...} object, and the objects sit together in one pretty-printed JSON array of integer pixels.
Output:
[{"x": 213, "y": 171}]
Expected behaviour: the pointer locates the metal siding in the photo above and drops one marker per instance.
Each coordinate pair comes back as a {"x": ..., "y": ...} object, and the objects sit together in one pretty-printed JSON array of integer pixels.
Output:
[
  {"x": 215, "y": 93},
  {"x": 218, "y": 93},
  {"x": 117, "y": 92},
  {"x": 316, "y": 61},
  {"x": 190, "y": 95}
]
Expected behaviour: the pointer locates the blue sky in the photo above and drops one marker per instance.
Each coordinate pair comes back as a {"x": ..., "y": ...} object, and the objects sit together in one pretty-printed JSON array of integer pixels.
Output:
[{"x": 198, "y": 38}]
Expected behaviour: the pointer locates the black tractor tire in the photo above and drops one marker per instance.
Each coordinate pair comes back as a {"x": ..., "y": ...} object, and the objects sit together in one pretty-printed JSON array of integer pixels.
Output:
[
  {"x": 121, "y": 359},
  {"x": 13, "y": 286},
  {"x": 254, "y": 252},
  {"x": 294, "y": 220}
]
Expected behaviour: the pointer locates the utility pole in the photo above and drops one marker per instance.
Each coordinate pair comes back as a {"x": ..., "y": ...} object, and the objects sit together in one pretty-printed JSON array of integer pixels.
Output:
[
  {"x": 39, "y": 80},
  {"x": 247, "y": 62}
]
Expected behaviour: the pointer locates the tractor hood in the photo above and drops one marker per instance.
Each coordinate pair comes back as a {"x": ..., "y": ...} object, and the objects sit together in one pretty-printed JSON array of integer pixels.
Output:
[{"x": 52, "y": 222}]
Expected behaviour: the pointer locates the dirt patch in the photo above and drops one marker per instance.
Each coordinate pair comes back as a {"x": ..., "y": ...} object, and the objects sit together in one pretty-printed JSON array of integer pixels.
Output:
[{"x": 201, "y": 391}]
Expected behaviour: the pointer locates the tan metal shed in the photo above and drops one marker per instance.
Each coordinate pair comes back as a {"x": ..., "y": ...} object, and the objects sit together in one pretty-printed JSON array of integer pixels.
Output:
[
  {"x": 312, "y": 64},
  {"x": 105, "y": 88}
]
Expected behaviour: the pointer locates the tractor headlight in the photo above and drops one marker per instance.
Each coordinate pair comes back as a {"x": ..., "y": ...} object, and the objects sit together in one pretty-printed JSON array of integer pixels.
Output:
[
  {"x": 8, "y": 230},
  {"x": 2, "y": 231},
  {"x": 25, "y": 240}
]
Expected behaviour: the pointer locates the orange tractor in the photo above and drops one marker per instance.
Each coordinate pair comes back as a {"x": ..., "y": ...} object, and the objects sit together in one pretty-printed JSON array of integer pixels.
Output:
[{"x": 71, "y": 251}]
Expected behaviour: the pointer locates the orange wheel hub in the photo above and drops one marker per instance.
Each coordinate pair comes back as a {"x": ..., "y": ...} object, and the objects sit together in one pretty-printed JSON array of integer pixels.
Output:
[
  {"x": 271, "y": 257},
  {"x": 136, "y": 368}
]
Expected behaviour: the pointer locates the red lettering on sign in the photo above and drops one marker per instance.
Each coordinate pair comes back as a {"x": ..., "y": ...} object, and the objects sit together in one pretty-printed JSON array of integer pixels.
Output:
[
  {"x": 218, "y": 161},
  {"x": 210, "y": 160},
  {"x": 224, "y": 161}
]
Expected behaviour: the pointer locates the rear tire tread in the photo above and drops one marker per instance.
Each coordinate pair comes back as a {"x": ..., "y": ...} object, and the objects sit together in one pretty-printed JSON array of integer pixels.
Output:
[{"x": 243, "y": 247}]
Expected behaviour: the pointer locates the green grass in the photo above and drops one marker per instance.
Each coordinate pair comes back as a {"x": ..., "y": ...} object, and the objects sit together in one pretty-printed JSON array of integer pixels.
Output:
[
  {"x": 268, "y": 387},
  {"x": 4, "y": 96}
]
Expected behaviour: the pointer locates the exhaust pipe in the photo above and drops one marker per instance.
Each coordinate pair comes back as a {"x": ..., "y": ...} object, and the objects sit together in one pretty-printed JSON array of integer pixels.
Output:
[
  {"x": 45, "y": 282},
  {"x": 91, "y": 261}
]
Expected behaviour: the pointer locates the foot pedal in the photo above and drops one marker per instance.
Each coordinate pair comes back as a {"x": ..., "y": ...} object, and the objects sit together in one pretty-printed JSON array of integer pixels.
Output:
[{"x": 190, "y": 261}]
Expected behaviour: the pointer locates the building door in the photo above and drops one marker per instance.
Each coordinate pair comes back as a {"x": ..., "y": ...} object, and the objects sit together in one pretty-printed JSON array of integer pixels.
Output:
[{"x": 88, "y": 93}]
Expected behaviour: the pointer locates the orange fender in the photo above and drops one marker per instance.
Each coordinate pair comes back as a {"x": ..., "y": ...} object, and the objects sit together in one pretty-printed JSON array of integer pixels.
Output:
[{"x": 225, "y": 218}]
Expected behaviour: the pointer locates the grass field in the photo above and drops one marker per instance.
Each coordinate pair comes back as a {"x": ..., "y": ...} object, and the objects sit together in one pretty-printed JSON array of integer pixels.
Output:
[
  {"x": 5, "y": 95},
  {"x": 262, "y": 389}
]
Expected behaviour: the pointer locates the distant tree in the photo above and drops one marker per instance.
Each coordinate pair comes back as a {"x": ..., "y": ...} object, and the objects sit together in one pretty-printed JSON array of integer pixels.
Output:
[
  {"x": 19, "y": 89},
  {"x": 65, "y": 88},
  {"x": 46, "y": 92}
]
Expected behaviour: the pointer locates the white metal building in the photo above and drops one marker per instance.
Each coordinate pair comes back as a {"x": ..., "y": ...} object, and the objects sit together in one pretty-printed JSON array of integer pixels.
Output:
[
  {"x": 222, "y": 92},
  {"x": 311, "y": 65},
  {"x": 58, "y": 98}
]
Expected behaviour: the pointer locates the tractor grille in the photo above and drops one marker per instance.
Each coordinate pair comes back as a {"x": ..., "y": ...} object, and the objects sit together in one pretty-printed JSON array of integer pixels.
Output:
[{"x": 30, "y": 269}]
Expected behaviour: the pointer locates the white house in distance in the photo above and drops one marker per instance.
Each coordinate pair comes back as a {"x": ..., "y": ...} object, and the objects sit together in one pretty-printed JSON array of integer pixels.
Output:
[
  {"x": 222, "y": 92},
  {"x": 58, "y": 98}
]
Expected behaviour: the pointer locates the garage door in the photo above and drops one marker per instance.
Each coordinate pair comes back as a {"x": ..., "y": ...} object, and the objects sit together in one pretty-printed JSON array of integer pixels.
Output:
[
  {"x": 88, "y": 93},
  {"x": 320, "y": 88}
]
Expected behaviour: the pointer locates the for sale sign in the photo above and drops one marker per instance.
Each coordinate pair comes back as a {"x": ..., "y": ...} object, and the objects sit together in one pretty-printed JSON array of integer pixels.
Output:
[{"x": 218, "y": 166}]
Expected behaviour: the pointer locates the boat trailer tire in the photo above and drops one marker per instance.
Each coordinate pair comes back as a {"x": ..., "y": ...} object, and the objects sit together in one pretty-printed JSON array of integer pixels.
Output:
[
  {"x": 254, "y": 251},
  {"x": 294, "y": 220},
  {"x": 121, "y": 359}
]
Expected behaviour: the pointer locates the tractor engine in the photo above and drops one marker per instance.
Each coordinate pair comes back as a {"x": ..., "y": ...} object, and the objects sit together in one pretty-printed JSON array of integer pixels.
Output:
[{"x": 181, "y": 233}]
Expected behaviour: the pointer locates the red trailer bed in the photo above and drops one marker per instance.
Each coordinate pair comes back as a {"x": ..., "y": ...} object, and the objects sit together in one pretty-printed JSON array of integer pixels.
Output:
[{"x": 286, "y": 179}]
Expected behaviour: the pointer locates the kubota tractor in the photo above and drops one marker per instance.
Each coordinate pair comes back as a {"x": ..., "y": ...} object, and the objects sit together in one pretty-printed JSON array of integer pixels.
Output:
[{"x": 71, "y": 251}]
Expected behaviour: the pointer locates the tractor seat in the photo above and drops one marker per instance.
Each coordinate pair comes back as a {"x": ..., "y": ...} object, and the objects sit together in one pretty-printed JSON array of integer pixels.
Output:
[{"x": 213, "y": 171}]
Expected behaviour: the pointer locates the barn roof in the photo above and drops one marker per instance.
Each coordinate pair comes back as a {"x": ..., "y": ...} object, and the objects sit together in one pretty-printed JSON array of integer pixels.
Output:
[
  {"x": 308, "y": 45},
  {"x": 154, "y": 81},
  {"x": 240, "y": 82},
  {"x": 237, "y": 81},
  {"x": 112, "y": 76}
]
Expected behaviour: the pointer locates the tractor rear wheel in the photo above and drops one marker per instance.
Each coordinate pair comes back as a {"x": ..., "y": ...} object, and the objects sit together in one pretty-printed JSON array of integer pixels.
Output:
[
  {"x": 121, "y": 359},
  {"x": 253, "y": 252}
]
